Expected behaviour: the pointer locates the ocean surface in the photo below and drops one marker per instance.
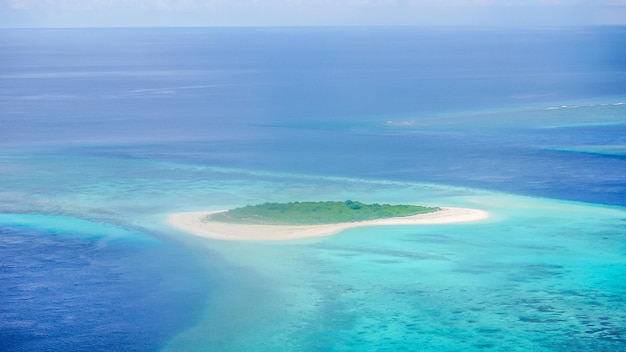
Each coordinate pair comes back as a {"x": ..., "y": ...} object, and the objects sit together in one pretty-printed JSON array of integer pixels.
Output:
[{"x": 103, "y": 132}]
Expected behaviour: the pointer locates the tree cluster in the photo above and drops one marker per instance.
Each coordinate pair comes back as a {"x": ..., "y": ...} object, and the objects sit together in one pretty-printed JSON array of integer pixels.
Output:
[{"x": 313, "y": 213}]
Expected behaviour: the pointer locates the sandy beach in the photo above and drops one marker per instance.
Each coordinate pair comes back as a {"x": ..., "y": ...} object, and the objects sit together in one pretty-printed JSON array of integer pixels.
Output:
[{"x": 195, "y": 223}]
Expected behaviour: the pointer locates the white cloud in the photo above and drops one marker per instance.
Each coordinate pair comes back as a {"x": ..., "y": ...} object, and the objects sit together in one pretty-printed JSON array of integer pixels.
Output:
[
  {"x": 307, "y": 12},
  {"x": 200, "y": 4}
]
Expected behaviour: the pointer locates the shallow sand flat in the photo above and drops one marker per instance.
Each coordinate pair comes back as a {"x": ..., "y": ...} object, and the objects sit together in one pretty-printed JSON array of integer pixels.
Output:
[{"x": 193, "y": 222}]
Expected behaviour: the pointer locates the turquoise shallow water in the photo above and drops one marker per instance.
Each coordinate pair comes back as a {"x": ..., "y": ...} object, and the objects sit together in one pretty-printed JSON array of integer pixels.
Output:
[{"x": 540, "y": 275}]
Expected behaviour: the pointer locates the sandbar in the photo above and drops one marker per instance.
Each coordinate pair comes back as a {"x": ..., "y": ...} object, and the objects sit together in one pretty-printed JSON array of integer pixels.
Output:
[{"x": 195, "y": 223}]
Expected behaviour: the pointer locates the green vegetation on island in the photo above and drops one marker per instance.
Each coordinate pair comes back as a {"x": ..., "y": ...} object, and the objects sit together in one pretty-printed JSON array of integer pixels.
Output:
[{"x": 316, "y": 213}]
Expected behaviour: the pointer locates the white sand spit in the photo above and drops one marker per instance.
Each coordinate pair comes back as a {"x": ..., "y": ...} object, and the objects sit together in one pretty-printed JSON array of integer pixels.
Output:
[{"x": 196, "y": 223}]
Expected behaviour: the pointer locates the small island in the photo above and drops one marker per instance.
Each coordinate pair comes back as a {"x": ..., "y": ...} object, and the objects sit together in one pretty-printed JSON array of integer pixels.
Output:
[
  {"x": 297, "y": 220},
  {"x": 316, "y": 213}
]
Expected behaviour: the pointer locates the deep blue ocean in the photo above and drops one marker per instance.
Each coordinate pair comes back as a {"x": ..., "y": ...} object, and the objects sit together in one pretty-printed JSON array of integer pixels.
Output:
[{"x": 105, "y": 131}]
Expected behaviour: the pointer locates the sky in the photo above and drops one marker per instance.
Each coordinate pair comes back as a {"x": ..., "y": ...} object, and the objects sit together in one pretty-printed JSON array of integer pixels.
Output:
[{"x": 157, "y": 13}]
